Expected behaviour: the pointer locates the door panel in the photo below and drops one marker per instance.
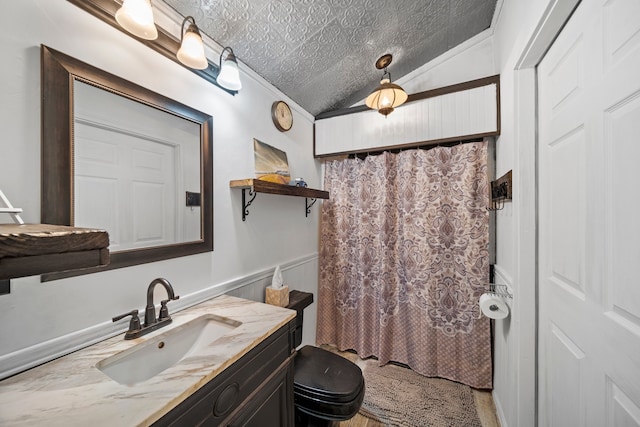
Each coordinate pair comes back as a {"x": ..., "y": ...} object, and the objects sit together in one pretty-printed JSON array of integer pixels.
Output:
[
  {"x": 129, "y": 185},
  {"x": 589, "y": 251},
  {"x": 621, "y": 410},
  {"x": 566, "y": 370},
  {"x": 623, "y": 152}
]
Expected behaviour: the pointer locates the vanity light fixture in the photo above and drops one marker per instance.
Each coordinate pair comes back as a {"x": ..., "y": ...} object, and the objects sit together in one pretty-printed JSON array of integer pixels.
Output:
[
  {"x": 387, "y": 96},
  {"x": 229, "y": 77},
  {"x": 136, "y": 17},
  {"x": 191, "y": 52}
]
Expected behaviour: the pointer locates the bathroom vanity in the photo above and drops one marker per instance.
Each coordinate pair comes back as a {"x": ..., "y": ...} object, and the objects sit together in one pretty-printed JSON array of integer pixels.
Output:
[
  {"x": 257, "y": 390},
  {"x": 244, "y": 377}
]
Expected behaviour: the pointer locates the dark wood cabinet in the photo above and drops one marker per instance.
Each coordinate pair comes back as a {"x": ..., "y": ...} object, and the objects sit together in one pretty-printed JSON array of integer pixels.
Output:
[
  {"x": 257, "y": 390},
  {"x": 271, "y": 404}
]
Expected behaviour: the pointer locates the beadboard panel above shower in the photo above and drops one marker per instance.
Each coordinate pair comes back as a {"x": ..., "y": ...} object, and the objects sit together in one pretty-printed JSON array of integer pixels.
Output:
[{"x": 454, "y": 113}]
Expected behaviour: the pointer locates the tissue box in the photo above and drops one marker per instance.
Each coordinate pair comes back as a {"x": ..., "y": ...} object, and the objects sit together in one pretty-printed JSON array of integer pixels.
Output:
[{"x": 279, "y": 297}]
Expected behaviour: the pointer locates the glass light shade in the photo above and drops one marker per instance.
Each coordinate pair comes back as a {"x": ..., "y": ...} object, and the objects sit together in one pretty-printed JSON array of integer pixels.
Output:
[
  {"x": 191, "y": 52},
  {"x": 136, "y": 17},
  {"x": 229, "y": 77},
  {"x": 386, "y": 97}
]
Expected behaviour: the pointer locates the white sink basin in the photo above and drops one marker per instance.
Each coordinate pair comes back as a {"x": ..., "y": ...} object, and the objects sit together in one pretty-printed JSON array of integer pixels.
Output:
[{"x": 147, "y": 359}]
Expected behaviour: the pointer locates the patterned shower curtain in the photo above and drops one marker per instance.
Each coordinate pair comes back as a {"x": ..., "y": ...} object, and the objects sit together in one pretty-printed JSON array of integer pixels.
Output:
[{"x": 404, "y": 259}]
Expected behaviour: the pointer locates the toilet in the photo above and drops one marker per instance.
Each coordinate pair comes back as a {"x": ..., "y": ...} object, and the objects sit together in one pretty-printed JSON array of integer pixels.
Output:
[{"x": 327, "y": 388}]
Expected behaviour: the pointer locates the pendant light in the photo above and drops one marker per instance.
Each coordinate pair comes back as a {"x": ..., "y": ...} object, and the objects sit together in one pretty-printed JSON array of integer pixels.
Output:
[
  {"x": 191, "y": 52},
  {"x": 387, "y": 96},
  {"x": 136, "y": 17},
  {"x": 229, "y": 77}
]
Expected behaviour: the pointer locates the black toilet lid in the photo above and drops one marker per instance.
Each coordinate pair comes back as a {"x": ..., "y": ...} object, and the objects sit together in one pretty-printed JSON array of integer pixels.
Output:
[{"x": 324, "y": 375}]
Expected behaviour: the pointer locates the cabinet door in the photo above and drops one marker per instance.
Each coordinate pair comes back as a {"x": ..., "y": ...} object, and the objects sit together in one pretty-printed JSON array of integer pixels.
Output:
[
  {"x": 233, "y": 389},
  {"x": 271, "y": 405}
]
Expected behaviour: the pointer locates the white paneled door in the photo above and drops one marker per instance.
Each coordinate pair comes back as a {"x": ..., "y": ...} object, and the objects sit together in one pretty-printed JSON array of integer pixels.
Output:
[
  {"x": 589, "y": 219},
  {"x": 126, "y": 184}
]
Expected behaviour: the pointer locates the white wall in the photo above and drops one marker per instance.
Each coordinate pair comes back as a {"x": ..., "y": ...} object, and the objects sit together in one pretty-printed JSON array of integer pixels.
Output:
[
  {"x": 40, "y": 320},
  {"x": 510, "y": 382},
  {"x": 522, "y": 33},
  {"x": 470, "y": 60}
]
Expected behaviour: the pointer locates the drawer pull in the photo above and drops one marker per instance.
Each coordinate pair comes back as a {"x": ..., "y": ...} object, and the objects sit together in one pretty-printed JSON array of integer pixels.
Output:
[{"x": 226, "y": 400}]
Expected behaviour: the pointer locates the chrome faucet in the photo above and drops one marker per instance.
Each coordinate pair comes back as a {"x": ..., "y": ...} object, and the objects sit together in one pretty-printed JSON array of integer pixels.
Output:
[
  {"x": 150, "y": 321},
  {"x": 150, "y": 310}
]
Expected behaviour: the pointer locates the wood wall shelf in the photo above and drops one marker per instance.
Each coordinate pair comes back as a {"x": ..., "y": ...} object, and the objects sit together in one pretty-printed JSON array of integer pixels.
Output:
[
  {"x": 30, "y": 249},
  {"x": 255, "y": 186}
]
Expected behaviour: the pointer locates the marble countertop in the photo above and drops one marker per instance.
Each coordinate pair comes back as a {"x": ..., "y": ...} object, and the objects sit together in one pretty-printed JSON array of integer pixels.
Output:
[{"x": 72, "y": 391}]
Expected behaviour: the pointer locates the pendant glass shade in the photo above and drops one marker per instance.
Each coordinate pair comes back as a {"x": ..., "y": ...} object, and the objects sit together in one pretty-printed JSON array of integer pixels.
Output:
[
  {"x": 386, "y": 97},
  {"x": 191, "y": 52},
  {"x": 136, "y": 17},
  {"x": 229, "y": 77}
]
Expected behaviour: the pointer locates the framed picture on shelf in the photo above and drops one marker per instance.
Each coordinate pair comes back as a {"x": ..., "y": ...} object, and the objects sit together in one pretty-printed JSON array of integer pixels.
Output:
[{"x": 270, "y": 163}]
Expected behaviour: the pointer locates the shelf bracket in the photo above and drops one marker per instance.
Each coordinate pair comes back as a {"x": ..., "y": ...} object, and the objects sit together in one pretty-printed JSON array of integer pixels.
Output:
[
  {"x": 308, "y": 205},
  {"x": 245, "y": 204},
  {"x": 14, "y": 212}
]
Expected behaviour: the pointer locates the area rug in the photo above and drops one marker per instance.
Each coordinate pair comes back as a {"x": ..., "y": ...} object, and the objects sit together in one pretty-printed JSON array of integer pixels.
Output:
[{"x": 397, "y": 396}]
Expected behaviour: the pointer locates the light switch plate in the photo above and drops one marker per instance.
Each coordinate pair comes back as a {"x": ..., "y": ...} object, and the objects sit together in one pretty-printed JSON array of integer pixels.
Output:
[
  {"x": 5, "y": 287},
  {"x": 193, "y": 199}
]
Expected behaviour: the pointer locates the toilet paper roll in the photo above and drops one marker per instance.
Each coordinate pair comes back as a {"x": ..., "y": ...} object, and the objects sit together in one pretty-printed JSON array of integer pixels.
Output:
[{"x": 493, "y": 306}]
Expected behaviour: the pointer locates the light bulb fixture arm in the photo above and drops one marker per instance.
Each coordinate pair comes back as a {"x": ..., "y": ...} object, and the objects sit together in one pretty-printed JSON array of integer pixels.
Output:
[
  {"x": 228, "y": 48},
  {"x": 192, "y": 27}
]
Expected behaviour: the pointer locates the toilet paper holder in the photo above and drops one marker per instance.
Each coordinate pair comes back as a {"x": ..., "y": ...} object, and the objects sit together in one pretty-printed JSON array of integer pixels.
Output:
[{"x": 500, "y": 290}]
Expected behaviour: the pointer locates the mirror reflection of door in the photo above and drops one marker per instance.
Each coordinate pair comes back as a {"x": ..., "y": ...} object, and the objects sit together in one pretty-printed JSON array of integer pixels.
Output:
[{"x": 128, "y": 170}]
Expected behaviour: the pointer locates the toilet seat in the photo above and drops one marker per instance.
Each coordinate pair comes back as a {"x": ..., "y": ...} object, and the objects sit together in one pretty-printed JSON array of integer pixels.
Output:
[{"x": 327, "y": 385}]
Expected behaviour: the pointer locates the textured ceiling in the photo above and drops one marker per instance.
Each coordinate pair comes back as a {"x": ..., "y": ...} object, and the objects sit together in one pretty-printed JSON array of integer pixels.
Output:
[{"x": 322, "y": 53}]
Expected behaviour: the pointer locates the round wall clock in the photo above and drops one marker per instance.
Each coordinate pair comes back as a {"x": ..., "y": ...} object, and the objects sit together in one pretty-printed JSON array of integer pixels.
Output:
[{"x": 281, "y": 115}]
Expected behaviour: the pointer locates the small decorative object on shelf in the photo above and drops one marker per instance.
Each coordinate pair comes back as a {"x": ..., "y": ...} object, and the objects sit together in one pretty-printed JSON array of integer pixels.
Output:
[{"x": 298, "y": 182}]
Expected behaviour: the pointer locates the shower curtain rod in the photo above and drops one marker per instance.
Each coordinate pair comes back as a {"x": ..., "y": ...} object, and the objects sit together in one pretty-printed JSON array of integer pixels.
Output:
[{"x": 426, "y": 146}]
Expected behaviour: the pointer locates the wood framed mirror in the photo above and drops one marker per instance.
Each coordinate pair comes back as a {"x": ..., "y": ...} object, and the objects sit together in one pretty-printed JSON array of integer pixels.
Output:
[{"x": 125, "y": 159}]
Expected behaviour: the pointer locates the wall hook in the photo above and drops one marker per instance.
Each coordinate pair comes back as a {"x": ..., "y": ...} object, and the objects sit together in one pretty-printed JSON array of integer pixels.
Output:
[{"x": 501, "y": 191}]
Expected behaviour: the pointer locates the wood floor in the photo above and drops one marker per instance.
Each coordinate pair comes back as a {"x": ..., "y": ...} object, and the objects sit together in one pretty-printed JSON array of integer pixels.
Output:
[
  {"x": 486, "y": 409},
  {"x": 484, "y": 405}
]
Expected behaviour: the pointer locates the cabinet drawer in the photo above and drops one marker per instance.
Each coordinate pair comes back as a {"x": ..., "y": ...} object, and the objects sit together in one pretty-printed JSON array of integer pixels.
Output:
[{"x": 222, "y": 395}]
